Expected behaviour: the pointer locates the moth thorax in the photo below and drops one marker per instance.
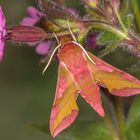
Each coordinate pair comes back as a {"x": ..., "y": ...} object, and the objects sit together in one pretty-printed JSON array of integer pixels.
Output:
[{"x": 65, "y": 39}]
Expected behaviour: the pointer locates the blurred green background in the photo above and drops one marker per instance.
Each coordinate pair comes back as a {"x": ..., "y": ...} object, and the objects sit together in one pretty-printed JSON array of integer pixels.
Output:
[{"x": 26, "y": 96}]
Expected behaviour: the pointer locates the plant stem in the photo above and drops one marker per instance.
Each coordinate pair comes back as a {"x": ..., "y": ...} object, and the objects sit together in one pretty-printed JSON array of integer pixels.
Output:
[
  {"x": 108, "y": 119},
  {"x": 120, "y": 21},
  {"x": 96, "y": 24},
  {"x": 111, "y": 126},
  {"x": 120, "y": 117},
  {"x": 118, "y": 127},
  {"x": 135, "y": 8},
  {"x": 106, "y": 26}
]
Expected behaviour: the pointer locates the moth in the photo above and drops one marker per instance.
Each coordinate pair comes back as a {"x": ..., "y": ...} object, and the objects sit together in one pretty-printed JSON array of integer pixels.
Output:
[{"x": 82, "y": 73}]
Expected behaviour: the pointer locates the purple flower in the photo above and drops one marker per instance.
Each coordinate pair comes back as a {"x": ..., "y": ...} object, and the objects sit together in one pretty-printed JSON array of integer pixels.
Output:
[
  {"x": 33, "y": 17},
  {"x": 43, "y": 47},
  {"x": 91, "y": 41},
  {"x": 2, "y": 33}
]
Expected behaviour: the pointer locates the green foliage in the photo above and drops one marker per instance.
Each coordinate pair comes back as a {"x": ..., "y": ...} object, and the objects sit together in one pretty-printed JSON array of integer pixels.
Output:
[
  {"x": 65, "y": 23},
  {"x": 133, "y": 121},
  {"x": 124, "y": 7},
  {"x": 82, "y": 130},
  {"x": 106, "y": 37},
  {"x": 95, "y": 130},
  {"x": 134, "y": 68},
  {"x": 109, "y": 48},
  {"x": 128, "y": 21},
  {"x": 98, "y": 129}
]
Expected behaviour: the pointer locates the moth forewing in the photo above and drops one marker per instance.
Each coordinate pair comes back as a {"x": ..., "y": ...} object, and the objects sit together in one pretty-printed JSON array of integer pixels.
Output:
[{"x": 85, "y": 52}]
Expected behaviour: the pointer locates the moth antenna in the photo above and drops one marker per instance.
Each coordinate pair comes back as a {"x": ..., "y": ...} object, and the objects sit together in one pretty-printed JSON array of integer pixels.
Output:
[
  {"x": 56, "y": 38},
  {"x": 73, "y": 37},
  {"x": 51, "y": 58},
  {"x": 75, "y": 41},
  {"x": 52, "y": 54},
  {"x": 84, "y": 52}
]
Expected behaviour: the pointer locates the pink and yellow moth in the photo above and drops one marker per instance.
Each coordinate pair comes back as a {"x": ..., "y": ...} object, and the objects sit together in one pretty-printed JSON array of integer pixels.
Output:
[{"x": 82, "y": 73}]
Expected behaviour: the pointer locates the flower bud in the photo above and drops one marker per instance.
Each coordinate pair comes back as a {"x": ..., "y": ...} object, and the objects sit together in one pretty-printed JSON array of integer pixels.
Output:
[
  {"x": 26, "y": 34},
  {"x": 91, "y": 3}
]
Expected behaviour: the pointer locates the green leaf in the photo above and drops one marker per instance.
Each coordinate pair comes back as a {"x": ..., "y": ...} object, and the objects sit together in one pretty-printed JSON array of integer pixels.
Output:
[
  {"x": 93, "y": 131},
  {"x": 109, "y": 48},
  {"x": 65, "y": 23},
  {"x": 133, "y": 121},
  {"x": 134, "y": 68},
  {"x": 123, "y": 7},
  {"x": 128, "y": 21},
  {"x": 81, "y": 130},
  {"x": 106, "y": 37},
  {"x": 82, "y": 35}
]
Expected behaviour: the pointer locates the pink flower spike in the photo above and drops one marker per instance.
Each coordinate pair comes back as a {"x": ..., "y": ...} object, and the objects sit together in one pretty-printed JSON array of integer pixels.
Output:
[
  {"x": 43, "y": 47},
  {"x": 2, "y": 33}
]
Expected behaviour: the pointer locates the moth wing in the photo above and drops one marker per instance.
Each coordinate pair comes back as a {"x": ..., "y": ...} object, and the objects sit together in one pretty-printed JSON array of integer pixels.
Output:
[
  {"x": 92, "y": 96},
  {"x": 65, "y": 109},
  {"x": 118, "y": 82}
]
